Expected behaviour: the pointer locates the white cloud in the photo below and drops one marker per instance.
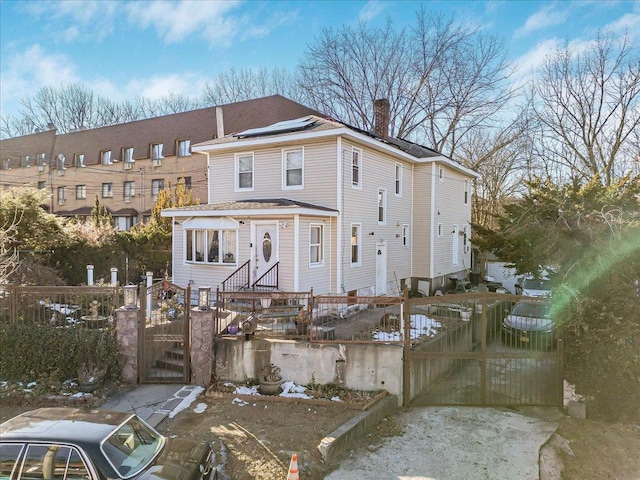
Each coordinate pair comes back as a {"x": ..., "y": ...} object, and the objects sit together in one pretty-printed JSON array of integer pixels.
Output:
[
  {"x": 371, "y": 10},
  {"x": 27, "y": 71},
  {"x": 547, "y": 16},
  {"x": 153, "y": 87},
  {"x": 627, "y": 23},
  {"x": 528, "y": 63},
  {"x": 174, "y": 21}
]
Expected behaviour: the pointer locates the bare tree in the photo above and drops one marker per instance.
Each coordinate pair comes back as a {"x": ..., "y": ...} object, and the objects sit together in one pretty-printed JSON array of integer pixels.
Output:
[{"x": 587, "y": 105}]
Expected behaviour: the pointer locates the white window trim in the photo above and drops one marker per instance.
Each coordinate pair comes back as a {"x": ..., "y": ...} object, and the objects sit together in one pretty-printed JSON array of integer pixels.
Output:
[
  {"x": 359, "y": 243},
  {"x": 466, "y": 191},
  {"x": 103, "y": 154},
  {"x": 356, "y": 186},
  {"x": 205, "y": 260},
  {"x": 82, "y": 189},
  {"x": 125, "y": 159},
  {"x": 321, "y": 262},
  {"x": 439, "y": 230},
  {"x": 237, "y": 157},
  {"x": 160, "y": 146},
  {"x": 406, "y": 236},
  {"x": 109, "y": 191},
  {"x": 284, "y": 169},
  {"x": 397, "y": 185},
  {"x": 384, "y": 206}
]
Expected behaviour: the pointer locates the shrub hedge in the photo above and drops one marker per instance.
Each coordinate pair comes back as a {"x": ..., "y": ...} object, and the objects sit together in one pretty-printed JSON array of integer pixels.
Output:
[{"x": 32, "y": 352}]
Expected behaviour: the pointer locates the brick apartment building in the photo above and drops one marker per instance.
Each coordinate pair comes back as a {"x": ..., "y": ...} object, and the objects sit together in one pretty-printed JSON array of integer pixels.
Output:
[{"x": 126, "y": 165}]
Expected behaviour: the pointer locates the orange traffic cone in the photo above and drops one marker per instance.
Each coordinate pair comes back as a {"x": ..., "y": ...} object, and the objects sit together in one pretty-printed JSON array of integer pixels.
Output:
[{"x": 293, "y": 468}]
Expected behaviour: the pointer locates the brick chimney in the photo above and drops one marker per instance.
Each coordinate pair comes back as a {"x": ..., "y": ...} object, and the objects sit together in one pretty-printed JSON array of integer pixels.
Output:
[{"x": 381, "y": 117}]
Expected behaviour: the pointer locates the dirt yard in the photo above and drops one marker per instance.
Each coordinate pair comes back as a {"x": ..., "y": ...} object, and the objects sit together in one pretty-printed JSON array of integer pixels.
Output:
[{"x": 256, "y": 438}]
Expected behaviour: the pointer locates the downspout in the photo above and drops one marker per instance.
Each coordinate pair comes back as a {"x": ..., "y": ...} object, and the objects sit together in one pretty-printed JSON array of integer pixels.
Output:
[
  {"x": 433, "y": 219},
  {"x": 339, "y": 185},
  {"x": 296, "y": 253}
]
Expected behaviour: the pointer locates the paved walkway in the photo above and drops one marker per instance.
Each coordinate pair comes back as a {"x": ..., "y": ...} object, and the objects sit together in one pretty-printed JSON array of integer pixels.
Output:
[{"x": 154, "y": 403}]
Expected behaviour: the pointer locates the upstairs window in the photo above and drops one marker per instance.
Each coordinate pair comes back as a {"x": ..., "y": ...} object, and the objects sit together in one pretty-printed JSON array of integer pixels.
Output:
[
  {"x": 129, "y": 191},
  {"x": 405, "y": 236},
  {"x": 441, "y": 174},
  {"x": 42, "y": 160},
  {"x": 78, "y": 160},
  {"x": 466, "y": 191},
  {"x": 26, "y": 161},
  {"x": 184, "y": 148},
  {"x": 356, "y": 168},
  {"x": 439, "y": 230},
  {"x": 156, "y": 186},
  {"x": 62, "y": 195},
  {"x": 382, "y": 206},
  {"x": 244, "y": 172},
  {"x": 316, "y": 244},
  {"x": 293, "y": 168},
  {"x": 355, "y": 243},
  {"x": 127, "y": 155},
  {"x": 81, "y": 192},
  {"x": 398, "y": 182},
  {"x": 42, "y": 185},
  {"x": 156, "y": 151},
  {"x": 107, "y": 190},
  {"x": 105, "y": 157}
]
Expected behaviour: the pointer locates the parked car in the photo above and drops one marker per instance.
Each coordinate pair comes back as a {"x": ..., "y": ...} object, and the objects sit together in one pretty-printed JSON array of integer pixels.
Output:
[
  {"x": 529, "y": 324},
  {"x": 73, "y": 443},
  {"x": 533, "y": 287}
]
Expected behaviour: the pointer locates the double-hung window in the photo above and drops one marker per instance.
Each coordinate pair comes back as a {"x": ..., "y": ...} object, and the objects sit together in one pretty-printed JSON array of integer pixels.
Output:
[
  {"x": 466, "y": 191},
  {"x": 78, "y": 160},
  {"x": 405, "y": 236},
  {"x": 81, "y": 192},
  {"x": 156, "y": 185},
  {"x": 356, "y": 230},
  {"x": 293, "y": 168},
  {"x": 105, "y": 157},
  {"x": 244, "y": 171},
  {"x": 184, "y": 148},
  {"x": 382, "y": 206},
  {"x": 62, "y": 195},
  {"x": 129, "y": 191},
  {"x": 356, "y": 168},
  {"x": 211, "y": 246},
  {"x": 107, "y": 190},
  {"x": 156, "y": 151},
  {"x": 398, "y": 183},
  {"x": 316, "y": 244},
  {"x": 441, "y": 174},
  {"x": 127, "y": 157},
  {"x": 26, "y": 161}
]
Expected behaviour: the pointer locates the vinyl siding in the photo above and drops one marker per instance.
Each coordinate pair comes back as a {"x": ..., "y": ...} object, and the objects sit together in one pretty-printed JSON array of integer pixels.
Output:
[
  {"x": 317, "y": 277},
  {"x": 361, "y": 206},
  {"x": 319, "y": 175}
]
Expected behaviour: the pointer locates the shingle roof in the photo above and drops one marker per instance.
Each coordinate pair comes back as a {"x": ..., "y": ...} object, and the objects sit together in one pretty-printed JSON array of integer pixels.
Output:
[{"x": 252, "y": 204}]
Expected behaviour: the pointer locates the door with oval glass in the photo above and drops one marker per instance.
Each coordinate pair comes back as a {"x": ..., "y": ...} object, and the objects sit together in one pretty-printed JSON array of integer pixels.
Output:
[{"x": 265, "y": 247}]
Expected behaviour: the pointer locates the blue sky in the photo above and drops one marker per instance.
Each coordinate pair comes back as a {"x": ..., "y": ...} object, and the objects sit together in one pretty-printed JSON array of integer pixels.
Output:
[{"x": 122, "y": 49}]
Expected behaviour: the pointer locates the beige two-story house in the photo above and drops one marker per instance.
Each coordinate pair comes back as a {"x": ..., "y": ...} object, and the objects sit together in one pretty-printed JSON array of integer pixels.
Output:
[{"x": 314, "y": 203}]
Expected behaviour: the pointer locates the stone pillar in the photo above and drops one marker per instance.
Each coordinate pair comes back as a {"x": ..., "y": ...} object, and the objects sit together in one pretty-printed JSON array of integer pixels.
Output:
[
  {"x": 127, "y": 337},
  {"x": 202, "y": 325}
]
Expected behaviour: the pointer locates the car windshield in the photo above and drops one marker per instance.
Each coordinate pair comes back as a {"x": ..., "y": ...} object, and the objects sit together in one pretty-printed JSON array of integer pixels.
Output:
[
  {"x": 531, "y": 310},
  {"x": 533, "y": 284},
  {"x": 131, "y": 447}
]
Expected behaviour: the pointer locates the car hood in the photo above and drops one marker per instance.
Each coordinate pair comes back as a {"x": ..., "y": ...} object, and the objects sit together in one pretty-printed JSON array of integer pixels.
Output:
[
  {"x": 181, "y": 459},
  {"x": 528, "y": 324}
]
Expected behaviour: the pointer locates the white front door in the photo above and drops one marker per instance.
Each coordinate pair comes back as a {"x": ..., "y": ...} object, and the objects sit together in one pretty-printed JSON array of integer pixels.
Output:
[
  {"x": 265, "y": 248},
  {"x": 381, "y": 268},
  {"x": 455, "y": 253}
]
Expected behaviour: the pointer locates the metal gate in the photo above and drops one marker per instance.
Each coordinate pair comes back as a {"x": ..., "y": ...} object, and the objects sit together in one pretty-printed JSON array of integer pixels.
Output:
[
  {"x": 164, "y": 334},
  {"x": 472, "y": 359}
]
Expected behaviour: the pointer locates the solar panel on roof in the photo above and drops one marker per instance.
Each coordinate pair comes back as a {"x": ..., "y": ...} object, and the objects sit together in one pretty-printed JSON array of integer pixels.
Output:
[{"x": 280, "y": 127}]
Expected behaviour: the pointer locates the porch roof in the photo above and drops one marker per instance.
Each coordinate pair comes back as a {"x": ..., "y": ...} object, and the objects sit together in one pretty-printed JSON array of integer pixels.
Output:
[{"x": 274, "y": 206}]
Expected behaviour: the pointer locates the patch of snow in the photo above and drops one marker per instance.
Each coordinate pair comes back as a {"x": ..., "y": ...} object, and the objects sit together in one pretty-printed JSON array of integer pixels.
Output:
[
  {"x": 243, "y": 390},
  {"x": 187, "y": 401},
  {"x": 239, "y": 402},
  {"x": 200, "y": 408},
  {"x": 421, "y": 326},
  {"x": 31, "y": 384},
  {"x": 336, "y": 399},
  {"x": 290, "y": 389}
]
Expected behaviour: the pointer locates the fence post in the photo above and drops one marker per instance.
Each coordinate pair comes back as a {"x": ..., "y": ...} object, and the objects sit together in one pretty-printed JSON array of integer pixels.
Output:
[
  {"x": 406, "y": 363},
  {"x": 127, "y": 335}
]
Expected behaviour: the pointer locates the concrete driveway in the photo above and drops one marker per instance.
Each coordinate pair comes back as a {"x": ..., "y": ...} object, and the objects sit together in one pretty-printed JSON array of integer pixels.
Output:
[{"x": 455, "y": 443}]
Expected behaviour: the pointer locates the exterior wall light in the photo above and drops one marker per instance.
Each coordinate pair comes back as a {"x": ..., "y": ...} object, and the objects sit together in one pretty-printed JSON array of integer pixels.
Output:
[
  {"x": 130, "y": 297},
  {"x": 204, "y": 298}
]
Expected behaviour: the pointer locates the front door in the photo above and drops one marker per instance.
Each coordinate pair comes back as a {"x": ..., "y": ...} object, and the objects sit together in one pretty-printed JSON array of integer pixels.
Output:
[
  {"x": 265, "y": 248},
  {"x": 381, "y": 268}
]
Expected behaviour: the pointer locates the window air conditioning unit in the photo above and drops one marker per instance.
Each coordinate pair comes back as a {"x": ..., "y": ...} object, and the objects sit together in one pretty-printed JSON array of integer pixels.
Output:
[
  {"x": 128, "y": 165},
  {"x": 128, "y": 199},
  {"x": 156, "y": 162},
  {"x": 41, "y": 168},
  {"x": 61, "y": 202},
  {"x": 61, "y": 172}
]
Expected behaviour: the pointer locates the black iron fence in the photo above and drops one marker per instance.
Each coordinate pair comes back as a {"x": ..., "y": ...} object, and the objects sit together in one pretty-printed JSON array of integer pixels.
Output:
[{"x": 59, "y": 306}]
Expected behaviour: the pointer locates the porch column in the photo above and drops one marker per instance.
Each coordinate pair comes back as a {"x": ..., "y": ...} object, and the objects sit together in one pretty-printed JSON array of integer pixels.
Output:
[
  {"x": 201, "y": 352},
  {"x": 127, "y": 338}
]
